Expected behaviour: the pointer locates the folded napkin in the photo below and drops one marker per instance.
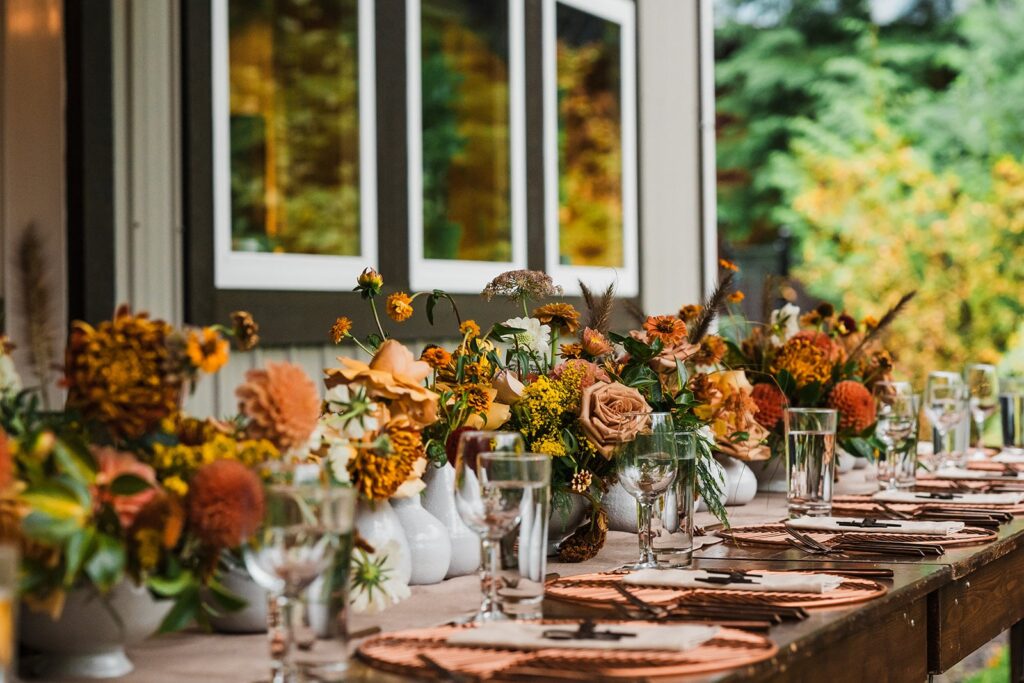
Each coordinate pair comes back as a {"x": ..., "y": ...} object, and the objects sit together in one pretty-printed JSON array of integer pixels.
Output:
[
  {"x": 961, "y": 473},
  {"x": 900, "y": 526},
  {"x": 958, "y": 498},
  {"x": 688, "y": 578},
  {"x": 530, "y": 636},
  {"x": 1009, "y": 458}
]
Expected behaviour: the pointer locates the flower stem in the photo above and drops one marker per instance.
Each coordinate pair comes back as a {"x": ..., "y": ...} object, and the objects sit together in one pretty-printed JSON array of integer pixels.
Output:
[{"x": 380, "y": 328}]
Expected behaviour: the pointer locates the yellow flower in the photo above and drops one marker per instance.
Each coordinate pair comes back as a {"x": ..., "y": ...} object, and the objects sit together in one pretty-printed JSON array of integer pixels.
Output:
[
  {"x": 340, "y": 329},
  {"x": 147, "y": 547},
  {"x": 549, "y": 446},
  {"x": 804, "y": 360},
  {"x": 469, "y": 329},
  {"x": 369, "y": 283},
  {"x": 570, "y": 350},
  {"x": 176, "y": 485},
  {"x": 399, "y": 307},
  {"x": 563, "y": 316},
  {"x": 737, "y": 297},
  {"x": 436, "y": 357},
  {"x": 207, "y": 350}
]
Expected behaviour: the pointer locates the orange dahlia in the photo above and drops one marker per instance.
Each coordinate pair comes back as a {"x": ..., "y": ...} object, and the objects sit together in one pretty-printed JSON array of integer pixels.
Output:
[
  {"x": 282, "y": 404},
  {"x": 804, "y": 360},
  {"x": 669, "y": 329},
  {"x": 770, "y": 403},
  {"x": 225, "y": 503},
  {"x": 855, "y": 405},
  {"x": 399, "y": 306}
]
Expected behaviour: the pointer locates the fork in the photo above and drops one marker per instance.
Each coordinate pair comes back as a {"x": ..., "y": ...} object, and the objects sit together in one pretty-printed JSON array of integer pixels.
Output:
[
  {"x": 898, "y": 514},
  {"x": 808, "y": 543}
]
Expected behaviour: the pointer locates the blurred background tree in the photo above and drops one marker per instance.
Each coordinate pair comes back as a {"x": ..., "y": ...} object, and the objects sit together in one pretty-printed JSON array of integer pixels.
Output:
[{"x": 886, "y": 137}]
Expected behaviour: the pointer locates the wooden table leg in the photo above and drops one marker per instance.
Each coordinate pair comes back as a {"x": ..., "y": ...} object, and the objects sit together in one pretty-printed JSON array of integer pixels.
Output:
[{"x": 1017, "y": 652}]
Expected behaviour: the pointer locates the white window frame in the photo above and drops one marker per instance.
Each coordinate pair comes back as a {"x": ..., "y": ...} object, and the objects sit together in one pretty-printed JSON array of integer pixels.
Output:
[
  {"x": 626, "y": 278},
  {"x": 312, "y": 272},
  {"x": 456, "y": 275}
]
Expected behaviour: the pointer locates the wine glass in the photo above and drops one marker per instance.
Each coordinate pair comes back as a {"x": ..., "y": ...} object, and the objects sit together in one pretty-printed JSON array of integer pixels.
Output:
[
  {"x": 471, "y": 445},
  {"x": 307, "y": 529},
  {"x": 896, "y": 427},
  {"x": 647, "y": 467},
  {"x": 493, "y": 495},
  {"x": 945, "y": 402},
  {"x": 983, "y": 384}
]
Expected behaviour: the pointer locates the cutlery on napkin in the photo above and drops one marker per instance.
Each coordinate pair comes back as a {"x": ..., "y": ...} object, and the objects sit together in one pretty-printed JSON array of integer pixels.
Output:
[
  {"x": 888, "y": 526},
  {"x": 698, "y": 578},
  {"x": 1009, "y": 458},
  {"x": 1013, "y": 498},
  {"x": 531, "y": 636},
  {"x": 961, "y": 473}
]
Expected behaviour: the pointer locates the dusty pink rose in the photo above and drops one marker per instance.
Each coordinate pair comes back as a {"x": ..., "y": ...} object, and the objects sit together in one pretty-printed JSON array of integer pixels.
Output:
[
  {"x": 608, "y": 414},
  {"x": 112, "y": 464}
]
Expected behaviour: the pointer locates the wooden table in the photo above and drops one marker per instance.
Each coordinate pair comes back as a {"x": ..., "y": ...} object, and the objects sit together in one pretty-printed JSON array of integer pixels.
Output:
[{"x": 937, "y": 611}]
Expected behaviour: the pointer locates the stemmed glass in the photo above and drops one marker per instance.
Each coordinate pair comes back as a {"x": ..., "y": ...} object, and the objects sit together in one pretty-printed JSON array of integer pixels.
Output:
[
  {"x": 983, "y": 385},
  {"x": 945, "y": 399},
  {"x": 647, "y": 467},
  {"x": 468, "y": 502},
  {"x": 896, "y": 408},
  {"x": 307, "y": 530}
]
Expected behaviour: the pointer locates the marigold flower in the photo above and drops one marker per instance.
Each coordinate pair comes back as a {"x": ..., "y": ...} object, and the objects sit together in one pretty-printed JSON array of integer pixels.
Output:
[
  {"x": 469, "y": 329},
  {"x": 669, "y": 329},
  {"x": 563, "y": 316},
  {"x": 340, "y": 329},
  {"x": 736, "y": 297},
  {"x": 728, "y": 265},
  {"x": 595, "y": 343},
  {"x": 399, "y": 306},
  {"x": 245, "y": 330},
  {"x": 206, "y": 349},
  {"x": 225, "y": 505},
  {"x": 570, "y": 350},
  {"x": 804, "y": 360},
  {"x": 436, "y": 357},
  {"x": 378, "y": 472}
]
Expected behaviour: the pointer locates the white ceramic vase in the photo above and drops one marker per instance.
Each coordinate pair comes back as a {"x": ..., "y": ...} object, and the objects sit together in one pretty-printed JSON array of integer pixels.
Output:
[
  {"x": 563, "y": 523},
  {"x": 430, "y": 549},
  {"x": 771, "y": 474},
  {"x": 378, "y": 524},
  {"x": 845, "y": 461},
  {"x": 439, "y": 500},
  {"x": 253, "y": 617},
  {"x": 621, "y": 508},
  {"x": 88, "y": 640},
  {"x": 740, "y": 482}
]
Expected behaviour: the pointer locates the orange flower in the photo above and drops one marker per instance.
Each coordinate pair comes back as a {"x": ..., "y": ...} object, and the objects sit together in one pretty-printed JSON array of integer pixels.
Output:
[
  {"x": 770, "y": 403},
  {"x": 728, "y": 265},
  {"x": 669, "y": 329},
  {"x": 737, "y": 297},
  {"x": 369, "y": 283},
  {"x": 112, "y": 464},
  {"x": 563, "y": 316},
  {"x": 712, "y": 351},
  {"x": 282, "y": 404},
  {"x": 245, "y": 329},
  {"x": 436, "y": 357},
  {"x": 804, "y": 360},
  {"x": 207, "y": 350},
  {"x": 855, "y": 405},
  {"x": 469, "y": 329},
  {"x": 595, "y": 343},
  {"x": 225, "y": 503},
  {"x": 399, "y": 307},
  {"x": 690, "y": 312},
  {"x": 340, "y": 329},
  {"x": 570, "y": 350}
]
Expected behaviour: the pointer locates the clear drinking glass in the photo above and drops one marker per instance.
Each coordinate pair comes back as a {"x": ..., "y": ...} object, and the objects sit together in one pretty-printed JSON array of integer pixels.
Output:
[
  {"x": 673, "y": 518},
  {"x": 945, "y": 403},
  {"x": 471, "y": 444},
  {"x": 647, "y": 467},
  {"x": 896, "y": 427},
  {"x": 810, "y": 459},
  {"x": 306, "y": 534},
  {"x": 983, "y": 386},
  {"x": 1011, "y": 413},
  {"x": 496, "y": 494}
]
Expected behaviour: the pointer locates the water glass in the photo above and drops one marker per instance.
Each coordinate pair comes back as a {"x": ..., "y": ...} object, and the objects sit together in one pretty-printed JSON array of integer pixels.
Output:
[
  {"x": 896, "y": 427},
  {"x": 647, "y": 467},
  {"x": 305, "y": 541},
  {"x": 983, "y": 387},
  {"x": 673, "y": 518},
  {"x": 1011, "y": 413},
  {"x": 945, "y": 403},
  {"x": 810, "y": 460},
  {"x": 471, "y": 445}
]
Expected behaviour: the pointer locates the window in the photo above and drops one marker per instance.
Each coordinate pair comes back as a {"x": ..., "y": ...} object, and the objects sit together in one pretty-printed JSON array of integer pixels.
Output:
[
  {"x": 590, "y": 142},
  {"x": 295, "y": 161}
]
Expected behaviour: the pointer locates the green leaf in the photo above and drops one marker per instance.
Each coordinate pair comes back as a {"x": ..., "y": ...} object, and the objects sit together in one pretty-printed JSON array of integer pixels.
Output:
[
  {"x": 55, "y": 501},
  {"x": 43, "y": 527},
  {"x": 129, "y": 485},
  {"x": 225, "y": 598},
  {"x": 431, "y": 302},
  {"x": 185, "y": 611},
  {"x": 77, "y": 548},
  {"x": 168, "y": 586},
  {"x": 106, "y": 565},
  {"x": 76, "y": 462}
]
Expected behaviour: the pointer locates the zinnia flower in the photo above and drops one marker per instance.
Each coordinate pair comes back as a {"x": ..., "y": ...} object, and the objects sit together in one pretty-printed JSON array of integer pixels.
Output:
[
  {"x": 855, "y": 405},
  {"x": 112, "y": 464},
  {"x": 225, "y": 504},
  {"x": 378, "y": 472},
  {"x": 399, "y": 307},
  {"x": 469, "y": 329},
  {"x": 534, "y": 338},
  {"x": 436, "y": 357},
  {"x": 563, "y": 316},
  {"x": 207, "y": 350},
  {"x": 669, "y": 329},
  {"x": 245, "y": 330},
  {"x": 570, "y": 350},
  {"x": 712, "y": 351},
  {"x": 804, "y": 360},
  {"x": 282, "y": 405},
  {"x": 690, "y": 312},
  {"x": 595, "y": 343},
  {"x": 375, "y": 582},
  {"x": 340, "y": 329}
]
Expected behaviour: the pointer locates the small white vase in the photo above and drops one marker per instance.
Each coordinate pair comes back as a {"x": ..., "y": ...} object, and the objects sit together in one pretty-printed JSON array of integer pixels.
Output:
[
  {"x": 430, "y": 549},
  {"x": 771, "y": 474},
  {"x": 723, "y": 484},
  {"x": 250, "y": 619},
  {"x": 845, "y": 461},
  {"x": 860, "y": 463},
  {"x": 439, "y": 500},
  {"x": 740, "y": 482},
  {"x": 621, "y": 508},
  {"x": 378, "y": 524},
  {"x": 88, "y": 640},
  {"x": 563, "y": 523}
]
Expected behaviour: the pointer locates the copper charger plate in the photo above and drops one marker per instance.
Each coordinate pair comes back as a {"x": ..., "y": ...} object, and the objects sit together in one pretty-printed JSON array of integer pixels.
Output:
[
  {"x": 776, "y": 535},
  {"x": 400, "y": 652},
  {"x": 598, "y": 589},
  {"x": 850, "y": 502}
]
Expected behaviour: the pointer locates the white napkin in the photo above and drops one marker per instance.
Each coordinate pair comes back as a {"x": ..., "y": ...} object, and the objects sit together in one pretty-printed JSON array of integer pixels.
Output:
[
  {"x": 528, "y": 636},
  {"x": 688, "y": 578},
  {"x": 961, "y": 473},
  {"x": 1009, "y": 458},
  {"x": 958, "y": 498},
  {"x": 902, "y": 526}
]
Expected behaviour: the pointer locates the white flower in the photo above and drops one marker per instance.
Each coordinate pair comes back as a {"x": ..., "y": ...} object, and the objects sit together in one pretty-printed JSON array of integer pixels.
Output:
[
  {"x": 339, "y": 452},
  {"x": 375, "y": 585},
  {"x": 535, "y": 337},
  {"x": 785, "y": 323}
]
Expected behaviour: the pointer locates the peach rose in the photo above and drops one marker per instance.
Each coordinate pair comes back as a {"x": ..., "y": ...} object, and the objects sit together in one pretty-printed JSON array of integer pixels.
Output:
[
  {"x": 508, "y": 386},
  {"x": 112, "y": 464},
  {"x": 607, "y": 414}
]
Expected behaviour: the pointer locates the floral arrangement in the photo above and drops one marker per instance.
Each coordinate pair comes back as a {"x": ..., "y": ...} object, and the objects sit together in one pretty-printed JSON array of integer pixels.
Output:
[
  {"x": 122, "y": 484},
  {"x": 821, "y": 358},
  {"x": 568, "y": 385}
]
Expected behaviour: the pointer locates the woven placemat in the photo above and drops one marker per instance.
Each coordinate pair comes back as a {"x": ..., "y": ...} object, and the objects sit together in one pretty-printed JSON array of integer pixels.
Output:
[
  {"x": 844, "y": 502},
  {"x": 599, "y": 589},
  {"x": 400, "y": 652},
  {"x": 776, "y": 535}
]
